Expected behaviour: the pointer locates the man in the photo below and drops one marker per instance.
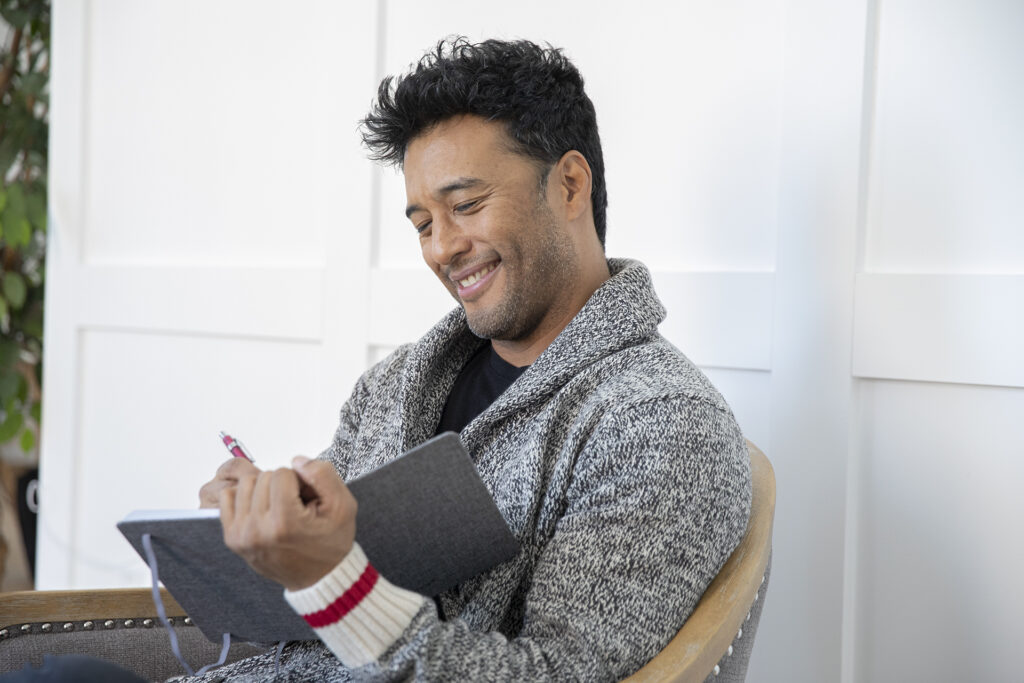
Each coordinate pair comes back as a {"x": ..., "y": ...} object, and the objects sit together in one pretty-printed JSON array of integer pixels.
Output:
[{"x": 617, "y": 465}]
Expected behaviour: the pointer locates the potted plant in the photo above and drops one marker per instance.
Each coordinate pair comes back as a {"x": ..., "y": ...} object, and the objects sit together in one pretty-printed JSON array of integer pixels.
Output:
[{"x": 24, "y": 104}]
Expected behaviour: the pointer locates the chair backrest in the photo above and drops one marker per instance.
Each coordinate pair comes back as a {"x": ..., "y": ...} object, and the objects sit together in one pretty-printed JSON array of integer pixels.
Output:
[{"x": 716, "y": 640}]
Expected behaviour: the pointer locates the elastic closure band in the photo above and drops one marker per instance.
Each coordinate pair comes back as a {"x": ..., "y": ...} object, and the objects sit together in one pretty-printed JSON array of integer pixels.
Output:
[{"x": 158, "y": 602}]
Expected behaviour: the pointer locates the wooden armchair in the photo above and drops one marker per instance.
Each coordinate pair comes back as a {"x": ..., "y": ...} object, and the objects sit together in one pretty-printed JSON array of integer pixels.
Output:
[{"x": 120, "y": 625}]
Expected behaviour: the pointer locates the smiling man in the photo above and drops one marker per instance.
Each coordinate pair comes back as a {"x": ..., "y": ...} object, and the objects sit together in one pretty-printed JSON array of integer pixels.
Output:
[
  {"x": 512, "y": 240},
  {"x": 617, "y": 465}
]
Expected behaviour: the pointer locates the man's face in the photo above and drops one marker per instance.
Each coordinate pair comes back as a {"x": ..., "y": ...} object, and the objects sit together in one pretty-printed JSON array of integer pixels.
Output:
[{"x": 487, "y": 230}]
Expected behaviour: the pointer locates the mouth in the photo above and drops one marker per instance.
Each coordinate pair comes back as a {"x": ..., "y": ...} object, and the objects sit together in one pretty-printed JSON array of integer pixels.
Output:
[{"x": 472, "y": 284}]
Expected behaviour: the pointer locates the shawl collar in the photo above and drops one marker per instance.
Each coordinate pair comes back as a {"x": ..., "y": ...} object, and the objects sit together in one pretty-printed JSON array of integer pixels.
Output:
[{"x": 623, "y": 312}]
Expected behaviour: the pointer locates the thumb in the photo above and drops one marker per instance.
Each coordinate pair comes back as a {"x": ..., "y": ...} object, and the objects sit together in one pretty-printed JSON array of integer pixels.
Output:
[{"x": 316, "y": 477}]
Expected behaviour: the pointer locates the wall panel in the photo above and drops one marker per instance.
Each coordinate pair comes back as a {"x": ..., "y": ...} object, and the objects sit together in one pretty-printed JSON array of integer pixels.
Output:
[
  {"x": 949, "y": 160},
  {"x": 940, "y": 328},
  {"x": 200, "y": 132},
  {"x": 941, "y": 513},
  {"x": 208, "y": 254},
  {"x": 151, "y": 407},
  {"x": 939, "y": 301}
]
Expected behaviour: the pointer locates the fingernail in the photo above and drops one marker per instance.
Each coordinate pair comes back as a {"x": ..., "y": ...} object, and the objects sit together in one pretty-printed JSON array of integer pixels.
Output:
[{"x": 299, "y": 461}]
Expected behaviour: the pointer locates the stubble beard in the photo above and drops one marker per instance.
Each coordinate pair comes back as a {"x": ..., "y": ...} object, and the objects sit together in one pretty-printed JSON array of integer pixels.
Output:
[{"x": 532, "y": 272}]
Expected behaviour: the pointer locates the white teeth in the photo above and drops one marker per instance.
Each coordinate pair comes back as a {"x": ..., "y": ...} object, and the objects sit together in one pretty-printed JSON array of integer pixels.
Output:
[{"x": 472, "y": 279}]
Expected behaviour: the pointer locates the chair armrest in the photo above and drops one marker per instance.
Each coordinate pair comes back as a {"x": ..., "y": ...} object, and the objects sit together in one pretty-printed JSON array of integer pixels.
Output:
[
  {"x": 118, "y": 625},
  {"x": 22, "y": 607}
]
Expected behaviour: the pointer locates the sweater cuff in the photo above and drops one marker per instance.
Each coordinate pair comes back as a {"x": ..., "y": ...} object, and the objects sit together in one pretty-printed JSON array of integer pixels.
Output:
[{"x": 356, "y": 612}]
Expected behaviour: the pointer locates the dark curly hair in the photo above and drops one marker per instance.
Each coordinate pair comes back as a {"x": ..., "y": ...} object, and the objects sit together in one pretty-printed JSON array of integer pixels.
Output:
[{"x": 535, "y": 91}]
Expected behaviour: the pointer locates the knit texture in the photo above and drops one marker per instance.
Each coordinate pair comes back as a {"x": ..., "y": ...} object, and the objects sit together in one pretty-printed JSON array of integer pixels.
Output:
[
  {"x": 617, "y": 465},
  {"x": 355, "y": 612}
]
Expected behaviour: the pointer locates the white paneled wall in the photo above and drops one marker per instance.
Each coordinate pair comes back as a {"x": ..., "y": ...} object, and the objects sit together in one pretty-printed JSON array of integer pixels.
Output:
[
  {"x": 938, "y": 333},
  {"x": 828, "y": 196},
  {"x": 197, "y": 277}
]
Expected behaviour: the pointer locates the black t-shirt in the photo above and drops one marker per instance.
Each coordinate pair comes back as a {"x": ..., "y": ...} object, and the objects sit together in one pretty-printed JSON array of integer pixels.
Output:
[{"x": 483, "y": 379}]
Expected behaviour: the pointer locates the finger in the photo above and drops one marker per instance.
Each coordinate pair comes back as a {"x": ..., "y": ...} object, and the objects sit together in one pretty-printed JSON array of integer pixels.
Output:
[
  {"x": 261, "y": 492},
  {"x": 333, "y": 496},
  {"x": 227, "y": 508},
  {"x": 235, "y": 468},
  {"x": 306, "y": 492},
  {"x": 284, "y": 489},
  {"x": 209, "y": 495},
  {"x": 243, "y": 495},
  {"x": 318, "y": 474}
]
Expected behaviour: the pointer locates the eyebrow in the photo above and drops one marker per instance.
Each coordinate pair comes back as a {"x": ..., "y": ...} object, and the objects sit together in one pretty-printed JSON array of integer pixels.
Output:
[{"x": 463, "y": 183}]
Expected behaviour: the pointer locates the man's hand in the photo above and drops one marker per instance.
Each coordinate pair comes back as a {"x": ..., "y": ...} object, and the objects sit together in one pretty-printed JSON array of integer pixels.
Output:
[
  {"x": 227, "y": 476},
  {"x": 268, "y": 523}
]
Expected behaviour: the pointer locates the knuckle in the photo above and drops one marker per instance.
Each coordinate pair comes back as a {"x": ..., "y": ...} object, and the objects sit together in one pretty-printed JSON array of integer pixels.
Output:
[
  {"x": 234, "y": 468},
  {"x": 226, "y": 467}
]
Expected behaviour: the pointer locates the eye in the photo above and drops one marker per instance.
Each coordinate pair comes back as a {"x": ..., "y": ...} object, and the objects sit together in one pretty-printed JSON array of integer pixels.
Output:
[
  {"x": 466, "y": 206},
  {"x": 423, "y": 227}
]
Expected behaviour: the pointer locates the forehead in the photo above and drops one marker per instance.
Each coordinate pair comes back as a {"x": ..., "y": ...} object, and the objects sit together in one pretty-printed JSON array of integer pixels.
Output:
[{"x": 465, "y": 146}]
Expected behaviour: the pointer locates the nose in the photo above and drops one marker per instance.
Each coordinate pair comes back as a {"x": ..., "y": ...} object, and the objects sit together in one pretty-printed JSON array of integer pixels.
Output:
[{"x": 447, "y": 241}]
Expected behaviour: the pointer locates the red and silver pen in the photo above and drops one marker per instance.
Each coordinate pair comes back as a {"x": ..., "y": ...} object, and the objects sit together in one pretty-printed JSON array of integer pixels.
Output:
[{"x": 235, "y": 447}]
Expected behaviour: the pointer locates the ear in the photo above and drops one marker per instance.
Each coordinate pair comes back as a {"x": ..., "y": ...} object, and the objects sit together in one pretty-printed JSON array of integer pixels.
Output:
[{"x": 574, "y": 178}]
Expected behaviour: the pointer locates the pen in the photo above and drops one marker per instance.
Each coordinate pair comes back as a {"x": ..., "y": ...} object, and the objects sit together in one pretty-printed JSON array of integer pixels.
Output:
[{"x": 235, "y": 447}]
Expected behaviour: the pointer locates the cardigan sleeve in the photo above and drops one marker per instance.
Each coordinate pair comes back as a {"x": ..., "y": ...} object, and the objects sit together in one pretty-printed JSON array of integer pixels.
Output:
[
  {"x": 350, "y": 419},
  {"x": 658, "y": 498}
]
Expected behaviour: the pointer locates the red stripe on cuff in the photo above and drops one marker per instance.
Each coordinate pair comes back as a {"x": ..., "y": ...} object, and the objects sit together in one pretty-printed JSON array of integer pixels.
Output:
[{"x": 346, "y": 602}]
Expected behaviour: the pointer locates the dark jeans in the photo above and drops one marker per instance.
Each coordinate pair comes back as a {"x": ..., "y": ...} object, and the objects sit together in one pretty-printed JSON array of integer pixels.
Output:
[{"x": 78, "y": 668}]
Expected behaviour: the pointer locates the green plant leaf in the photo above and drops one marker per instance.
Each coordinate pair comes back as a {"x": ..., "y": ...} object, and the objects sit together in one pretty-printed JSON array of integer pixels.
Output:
[
  {"x": 11, "y": 426},
  {"x": 36, "y": 411},
  {"x": 19, "y": 234},
  {"x": 8, "y": 151},
  {"x": 33, "y": 83},
  {"x": 15, "y": 289},
  {"x": 8, "y": 385},
  {"x": 28, "y": 440},
  {"x": 3, "y": 308},
  {"x": 15, "y": 217},
  {"x": 15, "y": 17},
  {"x": 32, "y": 320},
  {"x": 8, "y": 354},
  {"x": 3, "y": 199},
  {"x": 22, "y": 393}
]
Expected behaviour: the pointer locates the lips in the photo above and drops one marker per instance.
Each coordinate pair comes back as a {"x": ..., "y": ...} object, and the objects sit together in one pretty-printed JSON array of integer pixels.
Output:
[
  {"x": 474, "y": 277},
  {"x": 473, "y": 282}
]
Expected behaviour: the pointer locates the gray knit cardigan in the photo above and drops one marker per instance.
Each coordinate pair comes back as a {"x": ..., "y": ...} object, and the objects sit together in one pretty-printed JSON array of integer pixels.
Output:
[{"x": 614, "y": 460}]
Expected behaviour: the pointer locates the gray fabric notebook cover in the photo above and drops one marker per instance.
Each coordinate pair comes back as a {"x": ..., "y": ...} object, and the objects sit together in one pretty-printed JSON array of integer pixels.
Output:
[{"x": 426, "y": 522}]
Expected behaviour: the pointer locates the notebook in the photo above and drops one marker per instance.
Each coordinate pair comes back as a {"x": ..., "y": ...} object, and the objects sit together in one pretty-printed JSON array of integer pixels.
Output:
[{"x": 426, "y": 521}]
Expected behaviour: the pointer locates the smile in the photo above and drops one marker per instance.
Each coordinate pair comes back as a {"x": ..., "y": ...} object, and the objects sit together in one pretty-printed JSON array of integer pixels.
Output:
[
  {"x": 475, "y": 277},
  {"x": 472, "y": 285}
]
